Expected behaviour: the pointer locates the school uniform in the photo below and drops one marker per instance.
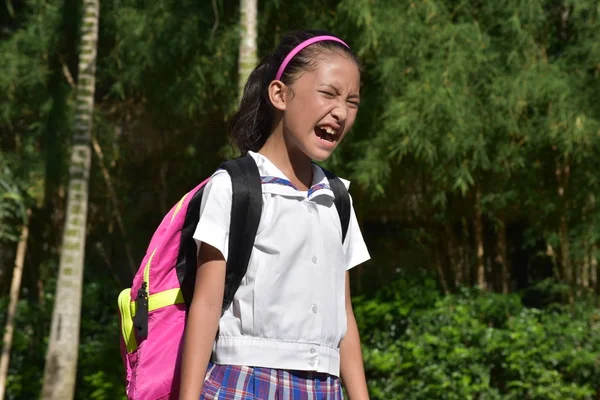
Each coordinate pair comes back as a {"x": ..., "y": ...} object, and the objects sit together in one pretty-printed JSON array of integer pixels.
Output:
[{"x": 280, "y": 337}]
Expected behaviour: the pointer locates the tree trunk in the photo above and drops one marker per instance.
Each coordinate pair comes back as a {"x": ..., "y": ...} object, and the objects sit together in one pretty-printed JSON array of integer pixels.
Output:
[
  {"x": 562, "y": 174},
  {"x": 565, "y": 247},
  {"x": 455, "y": 265},
  {"x": 465, "y": 251},
  {"x": 565, "y": 253},
  {"x": 478, "y": 227},
  {"x": 589, "y": 265},
  {"x": 593, "y": 249},
  {"x": 502, "y": 257},
  {"x": 594, "y": 268},
  {"x": 247, "y": 56},
  {"x": 552, "y": 255},
  {"x": 115, "y": 203},
  {"x": 15, "y": 289},
  {"x": 61, "y": 357},
  {"x": 437, "y": 260},
  {"x": 585, "y": 264}
]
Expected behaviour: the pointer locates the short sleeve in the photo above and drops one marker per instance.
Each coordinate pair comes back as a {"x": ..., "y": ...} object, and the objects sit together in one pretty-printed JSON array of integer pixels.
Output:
[
  {"x": 215, "y": 213},
  {"x": 355, "y": 247}
]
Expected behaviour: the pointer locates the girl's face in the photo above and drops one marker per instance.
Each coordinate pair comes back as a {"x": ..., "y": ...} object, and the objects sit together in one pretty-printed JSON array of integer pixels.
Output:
[{"x": 322, "y": 106}]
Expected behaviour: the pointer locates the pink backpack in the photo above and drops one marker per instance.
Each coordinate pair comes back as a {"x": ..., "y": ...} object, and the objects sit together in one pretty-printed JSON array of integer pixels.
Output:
[{"x": 153, "y": 310}]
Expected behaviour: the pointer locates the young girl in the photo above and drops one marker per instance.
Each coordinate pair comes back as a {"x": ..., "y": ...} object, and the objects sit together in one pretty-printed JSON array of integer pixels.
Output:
[{"x": 290, "y": 332}]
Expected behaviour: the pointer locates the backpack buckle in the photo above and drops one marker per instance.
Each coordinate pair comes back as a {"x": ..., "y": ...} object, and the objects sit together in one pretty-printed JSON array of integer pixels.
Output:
[{"x": 140, "y": 320}]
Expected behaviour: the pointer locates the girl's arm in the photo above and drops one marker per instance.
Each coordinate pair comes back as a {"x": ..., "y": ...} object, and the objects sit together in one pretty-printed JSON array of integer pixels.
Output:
[
  {"x": 202, "y": 321},
  {"x": 352, "y": 369}
]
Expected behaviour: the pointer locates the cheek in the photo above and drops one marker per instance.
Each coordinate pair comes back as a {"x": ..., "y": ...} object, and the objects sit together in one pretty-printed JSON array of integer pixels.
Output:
[
  {"x": 317, "y": 103},
  {"x": 308, "y": 105}
]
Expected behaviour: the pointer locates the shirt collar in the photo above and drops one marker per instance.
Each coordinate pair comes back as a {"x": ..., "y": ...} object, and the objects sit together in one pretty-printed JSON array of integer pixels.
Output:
[{"x": 274, "y": 181}]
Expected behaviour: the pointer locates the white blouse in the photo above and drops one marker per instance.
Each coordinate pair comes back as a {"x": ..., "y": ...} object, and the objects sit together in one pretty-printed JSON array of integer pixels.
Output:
[{"x": 289, "y": 311}]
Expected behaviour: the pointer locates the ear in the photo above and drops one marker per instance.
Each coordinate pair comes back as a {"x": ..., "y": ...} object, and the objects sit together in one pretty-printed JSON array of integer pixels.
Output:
[{"x": 277, "y": 94}]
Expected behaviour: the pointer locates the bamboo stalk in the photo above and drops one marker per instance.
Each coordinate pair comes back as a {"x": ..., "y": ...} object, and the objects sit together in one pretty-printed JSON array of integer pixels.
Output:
[
  {"x": 15, "y": 289},
  {"x": 453, "y": 255},
  {"x": 478, "y": 225},
  {"x": 115, "y": 203},
  {"x": 502, "y": 258},
  {"x": 437, "y": 261}
]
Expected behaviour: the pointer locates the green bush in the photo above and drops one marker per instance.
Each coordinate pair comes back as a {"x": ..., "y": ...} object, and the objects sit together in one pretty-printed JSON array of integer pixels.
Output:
[{"x": 476, "y": 346}]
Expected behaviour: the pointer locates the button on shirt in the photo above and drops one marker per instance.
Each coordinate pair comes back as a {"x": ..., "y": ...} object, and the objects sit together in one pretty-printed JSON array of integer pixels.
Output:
[{"x": 289, "y": 311}]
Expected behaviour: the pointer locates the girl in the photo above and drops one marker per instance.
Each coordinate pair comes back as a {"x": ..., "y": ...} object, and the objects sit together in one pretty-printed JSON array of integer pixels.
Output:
[{"x": 290, "y": 332}]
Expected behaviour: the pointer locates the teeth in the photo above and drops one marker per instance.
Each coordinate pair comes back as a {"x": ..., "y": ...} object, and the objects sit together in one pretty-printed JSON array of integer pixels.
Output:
[{"x": 329, "y": 131}]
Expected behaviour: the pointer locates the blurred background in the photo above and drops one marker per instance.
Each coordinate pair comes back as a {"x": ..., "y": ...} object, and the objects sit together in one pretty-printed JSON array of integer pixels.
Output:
[{"x": 474, "y": 168}]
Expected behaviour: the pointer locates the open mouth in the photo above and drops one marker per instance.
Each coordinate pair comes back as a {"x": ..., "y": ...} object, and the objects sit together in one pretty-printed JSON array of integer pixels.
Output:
[{"x": 326, "y": 134}]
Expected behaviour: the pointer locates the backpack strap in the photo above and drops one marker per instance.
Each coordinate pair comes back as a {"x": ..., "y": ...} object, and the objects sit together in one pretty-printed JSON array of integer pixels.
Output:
[
  {"x": 341, "y": 200},
  {"x": 246, "y": 208}
]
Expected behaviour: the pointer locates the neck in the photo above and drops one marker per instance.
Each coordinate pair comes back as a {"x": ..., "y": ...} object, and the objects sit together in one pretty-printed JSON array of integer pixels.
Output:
[{"x": 291, "y": 161}]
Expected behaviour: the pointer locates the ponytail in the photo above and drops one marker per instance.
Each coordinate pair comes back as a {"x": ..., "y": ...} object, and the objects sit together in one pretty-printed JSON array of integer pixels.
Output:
[{"x": 250, "y": 127}]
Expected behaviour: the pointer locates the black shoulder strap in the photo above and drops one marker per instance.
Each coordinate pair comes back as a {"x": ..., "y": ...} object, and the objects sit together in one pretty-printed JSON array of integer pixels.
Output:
[
  {"x": 246, "y": 208},
  {"x": 341, "y": 200}
]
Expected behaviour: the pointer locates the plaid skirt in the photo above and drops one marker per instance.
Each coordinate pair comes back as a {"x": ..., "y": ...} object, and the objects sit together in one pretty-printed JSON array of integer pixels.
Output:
[{"x": 234, "y": 382}]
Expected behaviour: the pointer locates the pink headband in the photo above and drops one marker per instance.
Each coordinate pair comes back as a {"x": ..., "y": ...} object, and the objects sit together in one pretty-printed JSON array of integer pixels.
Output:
[{"x": 301, "y": 46}]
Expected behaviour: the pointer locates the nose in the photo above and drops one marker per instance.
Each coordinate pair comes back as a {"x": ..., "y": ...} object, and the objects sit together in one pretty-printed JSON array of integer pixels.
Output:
[{"x": 339, "y": 113}]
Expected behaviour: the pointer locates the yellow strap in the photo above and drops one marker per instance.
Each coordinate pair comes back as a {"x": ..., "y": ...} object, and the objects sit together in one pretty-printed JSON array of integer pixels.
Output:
[
  {"x": 160, "y": 300},
  {"x": 178, "y": 207},
  {"x": 127, "y": 320},
  {"x": 128, "y": 308},
  {"x": 147, "y": 271},
  {"x": 155, "y": 301}
]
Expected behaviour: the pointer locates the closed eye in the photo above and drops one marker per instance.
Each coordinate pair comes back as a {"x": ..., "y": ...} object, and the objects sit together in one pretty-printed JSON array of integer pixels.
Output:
[
  {"x": 354, "y": 104},
  {"x": 328, "y": 94}
]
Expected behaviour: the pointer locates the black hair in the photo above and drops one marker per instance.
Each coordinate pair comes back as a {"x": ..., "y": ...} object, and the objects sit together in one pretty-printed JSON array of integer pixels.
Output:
[{"x": 251, "y": 125}]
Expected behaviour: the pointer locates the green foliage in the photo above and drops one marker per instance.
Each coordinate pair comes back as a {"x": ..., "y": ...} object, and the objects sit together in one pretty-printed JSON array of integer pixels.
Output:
[
  {"x": 28, "y": 349},
  {"x": 100, "y": 370},
  {"x": 24, "y": 65},
  {"x": 455, "y": 95},
  {"x": 173, "y": 45},
  {"x": 461, "y": 94},
  {"x": 12, "y": 204},
  {"x": 479, "y": 346},
  {"x": 31, "y": 34}
]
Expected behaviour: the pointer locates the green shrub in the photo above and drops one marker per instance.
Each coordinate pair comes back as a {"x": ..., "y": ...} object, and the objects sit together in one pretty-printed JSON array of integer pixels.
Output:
[{"x": 477, "y": 346}]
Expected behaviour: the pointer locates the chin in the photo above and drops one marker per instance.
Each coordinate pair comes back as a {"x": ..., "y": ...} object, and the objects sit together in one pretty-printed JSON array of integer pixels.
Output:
[{"x": 320, "y": 155}]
